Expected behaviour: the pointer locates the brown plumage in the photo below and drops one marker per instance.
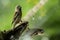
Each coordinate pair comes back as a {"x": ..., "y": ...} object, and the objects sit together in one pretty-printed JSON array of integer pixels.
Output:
[{"x": 17, "y": 16}]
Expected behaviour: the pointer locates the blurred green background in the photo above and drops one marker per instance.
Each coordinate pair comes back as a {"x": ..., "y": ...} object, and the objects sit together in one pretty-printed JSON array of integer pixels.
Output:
[{"x": 47, "y": 17}]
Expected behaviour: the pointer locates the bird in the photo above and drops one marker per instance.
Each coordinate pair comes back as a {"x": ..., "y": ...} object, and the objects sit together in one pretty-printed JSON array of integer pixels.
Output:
[
  {"x": 35, "y": 31},
  {"x": 17, "y": 16},
  {"x": 29, "y": 34},
  {"x": 15, "y": 33}
]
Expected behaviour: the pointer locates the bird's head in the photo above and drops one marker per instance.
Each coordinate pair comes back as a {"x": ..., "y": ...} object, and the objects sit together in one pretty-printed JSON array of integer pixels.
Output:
[
  {"x": 18, "y": 8},
  {"x": 37, "y": 32}
]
